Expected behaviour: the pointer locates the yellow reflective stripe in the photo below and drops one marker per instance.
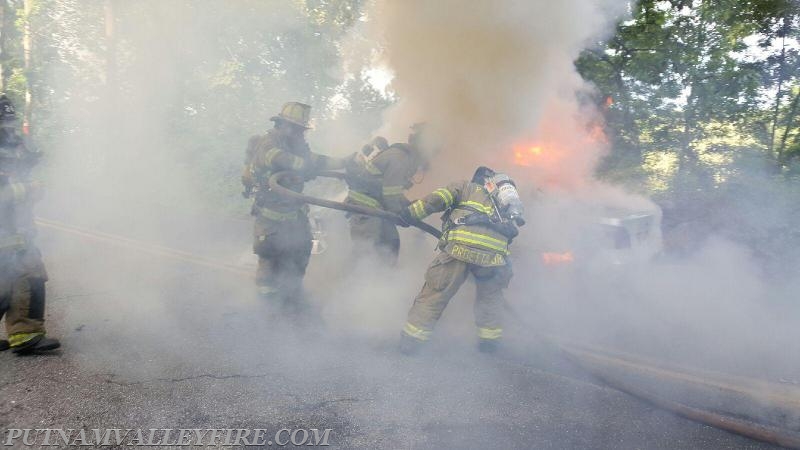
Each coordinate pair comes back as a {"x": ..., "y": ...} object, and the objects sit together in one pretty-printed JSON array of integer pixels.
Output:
[
  {"x": 416, "y": 332},
  {"x": 443, "y": 197},
  {"x": 393, "y": 190},
  {"x": 267, "y": 290},
  {"x": 270, "y": 155},
  {"x": 17, "y": 339},
  {"x": 277, "y": 215},
  {"x": 418, "y": 209},
  {"x": 465, "y": 240},
  {"x": 368, "y": 166},
  {"x": 490, "y": 333},
  {"x": 446, "y": 195},
  {"x": 478, "y": 239},
  {"x": 480, "y": 236},
  {"x": 364, "y": 199},
  {"x": 479, "y": 206},
  {"x": 297, "y": 163}
]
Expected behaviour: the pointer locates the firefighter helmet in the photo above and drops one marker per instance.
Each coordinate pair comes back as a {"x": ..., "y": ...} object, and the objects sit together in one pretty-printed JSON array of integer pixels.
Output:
[
  {"x": 481, "y": 174},
  {"x": 295, "y": 113}
]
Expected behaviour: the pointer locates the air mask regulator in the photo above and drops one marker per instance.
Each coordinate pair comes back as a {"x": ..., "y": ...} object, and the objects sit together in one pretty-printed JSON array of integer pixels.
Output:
[{"x": 504, "y": 194}]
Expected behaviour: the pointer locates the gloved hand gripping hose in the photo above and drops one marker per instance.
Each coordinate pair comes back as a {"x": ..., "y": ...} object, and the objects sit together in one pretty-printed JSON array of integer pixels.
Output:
[{"x": 275, "y": 186}]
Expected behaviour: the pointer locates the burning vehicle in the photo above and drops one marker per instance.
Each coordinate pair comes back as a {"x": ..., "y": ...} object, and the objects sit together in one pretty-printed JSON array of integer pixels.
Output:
[{"x": 616, "y": 237}]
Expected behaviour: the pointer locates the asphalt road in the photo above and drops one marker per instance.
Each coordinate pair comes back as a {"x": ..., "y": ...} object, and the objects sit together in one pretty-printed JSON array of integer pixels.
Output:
[{"x": 153, "y": 343}]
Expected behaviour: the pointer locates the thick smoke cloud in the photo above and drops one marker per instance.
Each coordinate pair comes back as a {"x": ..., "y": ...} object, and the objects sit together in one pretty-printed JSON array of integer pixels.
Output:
[
  {"x": 495, "y": 79},
  {"x": 499, "y": 84},
  {"x": 492, "y": 78}
]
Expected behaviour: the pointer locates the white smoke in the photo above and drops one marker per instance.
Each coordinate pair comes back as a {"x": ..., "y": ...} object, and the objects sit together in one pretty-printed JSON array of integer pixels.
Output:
[{"x": 487, "y": 75}]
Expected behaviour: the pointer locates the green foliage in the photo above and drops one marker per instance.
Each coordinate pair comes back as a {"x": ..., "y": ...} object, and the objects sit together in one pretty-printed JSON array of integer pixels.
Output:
[
  {"x": 706, "y": 115},
  {"x": 194, "y": 78},
  {"x": 677, "y": 67},
  {"x": 703, "y": 93}
]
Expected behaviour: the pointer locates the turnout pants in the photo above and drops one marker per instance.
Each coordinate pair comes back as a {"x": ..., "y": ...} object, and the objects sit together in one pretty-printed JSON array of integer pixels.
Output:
[
  {"x": 284, "y": 250},
  {"x": 442, "y": 280},
  {"x": 373, "y": 234},
  {"x": 22, "y": 296}
]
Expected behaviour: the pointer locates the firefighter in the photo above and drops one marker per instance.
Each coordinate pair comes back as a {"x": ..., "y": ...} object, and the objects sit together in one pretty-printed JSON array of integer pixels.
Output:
[
  {"x": 22, "y": 272},
  {"x": 378, "y": 176},
  {"x": 282, "y": 233},
  {"x": 480, "y": 221}
]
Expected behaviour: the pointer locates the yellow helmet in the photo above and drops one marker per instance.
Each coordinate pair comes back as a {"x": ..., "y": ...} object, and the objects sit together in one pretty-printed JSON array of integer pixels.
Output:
[{"x": 296, "y": 113}]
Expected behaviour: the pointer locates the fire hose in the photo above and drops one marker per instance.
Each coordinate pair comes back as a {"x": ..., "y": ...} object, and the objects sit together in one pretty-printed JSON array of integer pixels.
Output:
[
  {"x": 275, "y": 186},
  {"x": 738, "y": 426}
]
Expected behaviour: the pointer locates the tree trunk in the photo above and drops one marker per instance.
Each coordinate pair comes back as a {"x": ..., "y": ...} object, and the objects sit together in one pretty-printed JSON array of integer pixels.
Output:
[
  {"x": 27, "y": 49},
  {"x": 3, "y": 50},
  {"x": 692, "y": 81},
  {"x": 627, "y": 116},
  {"x": 781, "y": 70},
  {"x": 111, "y": 46},
  {"x": 789, "y": 121}
]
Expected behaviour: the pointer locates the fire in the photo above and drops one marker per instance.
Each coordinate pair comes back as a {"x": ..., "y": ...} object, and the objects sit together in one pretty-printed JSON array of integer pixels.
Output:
[
  {"x": 553, "y": 258},
  {"x": 550, "y": 153},
  {"x": 596, "y": 135},
  {"x": 526, "y": 156},
  {"x": 562, "y": 150}
]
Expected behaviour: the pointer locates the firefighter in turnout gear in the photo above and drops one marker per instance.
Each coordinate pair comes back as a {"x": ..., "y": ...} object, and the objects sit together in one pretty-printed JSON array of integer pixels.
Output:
[
  {"x": 282, "y": 233},
  {"x": 22, "y": 272},
  {"x": 378, "y": 176},
  {"x": 479, "y": 224}
]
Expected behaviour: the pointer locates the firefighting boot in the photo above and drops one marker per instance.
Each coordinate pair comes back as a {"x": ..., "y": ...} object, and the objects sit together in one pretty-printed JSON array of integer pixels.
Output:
[
  {"x": 488, "y": 345},
  {"x": 3, "y": 345},
  {"x": 37, "y": 345},
  {"x": 409, "y": 346}
]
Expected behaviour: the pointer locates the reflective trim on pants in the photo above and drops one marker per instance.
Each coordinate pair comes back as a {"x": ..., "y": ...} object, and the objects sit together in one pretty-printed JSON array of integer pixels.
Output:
[
  {"x": 416, "y": 332},
  {"x": 267, "y": 290},
  {"x": 490, "y": 333},
  {"x": 18, "y": 339}
]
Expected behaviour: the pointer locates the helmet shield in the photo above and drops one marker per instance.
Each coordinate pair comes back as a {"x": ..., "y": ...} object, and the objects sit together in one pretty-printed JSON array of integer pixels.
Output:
[{"x": 295, "y": 113}]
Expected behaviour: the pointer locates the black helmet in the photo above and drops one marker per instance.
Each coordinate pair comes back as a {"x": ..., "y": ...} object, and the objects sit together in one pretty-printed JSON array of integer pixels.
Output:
[
  {"x": 380, "y": 142},
  {"x": 481, "y": 174},
  {"x": 7, "y": 111}
]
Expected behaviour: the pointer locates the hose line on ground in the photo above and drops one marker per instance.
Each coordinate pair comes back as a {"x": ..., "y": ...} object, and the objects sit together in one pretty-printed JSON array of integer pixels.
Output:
[
  {"x": 275, "y": 186},
  {"x": 747, "y": 428},
  {"x": 738, "y": 426}
]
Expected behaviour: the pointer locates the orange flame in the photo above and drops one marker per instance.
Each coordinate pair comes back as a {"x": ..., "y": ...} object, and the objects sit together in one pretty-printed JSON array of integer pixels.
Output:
[
  {"x": 550, "y": 153},
  {"x": 553, "y": 258},
  {"x": 526, "y": 156}
]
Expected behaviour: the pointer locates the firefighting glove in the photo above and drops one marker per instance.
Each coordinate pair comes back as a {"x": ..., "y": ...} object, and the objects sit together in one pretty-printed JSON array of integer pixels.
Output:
[{"x": 406, "y": 219}]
